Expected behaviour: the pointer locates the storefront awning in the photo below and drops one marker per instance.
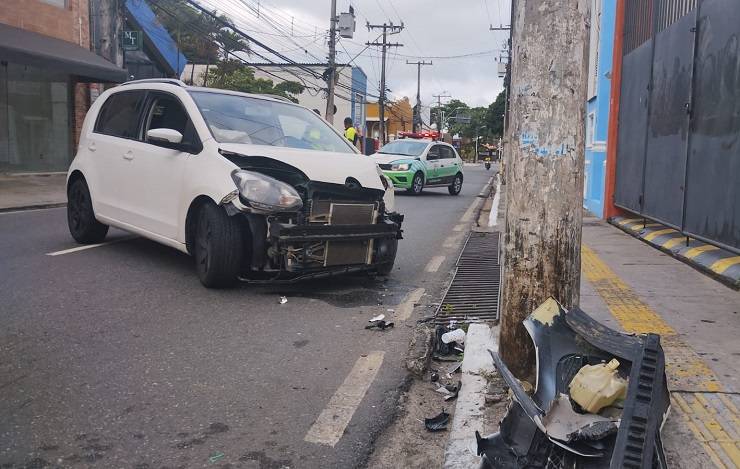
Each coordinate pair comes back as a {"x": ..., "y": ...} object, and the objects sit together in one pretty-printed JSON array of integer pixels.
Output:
[{"x": 29, "y": 48}]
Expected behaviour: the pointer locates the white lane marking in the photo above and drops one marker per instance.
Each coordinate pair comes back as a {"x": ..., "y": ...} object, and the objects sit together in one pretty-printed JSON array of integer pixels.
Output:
[
  {"x": 404, "y": 310},
  {"x": 89, "y": 246},
  {"x": 434, "y": 263},
  {"x": 493, "y": 216},
  {"x": 333, "y": 420},
  {"x": 453, "y": 240}
]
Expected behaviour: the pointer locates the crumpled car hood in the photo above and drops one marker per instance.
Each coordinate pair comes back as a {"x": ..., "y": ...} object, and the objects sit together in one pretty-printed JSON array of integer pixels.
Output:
[
  {"x": 322, "y": 166},
  {"x": 381, "y": 158}
]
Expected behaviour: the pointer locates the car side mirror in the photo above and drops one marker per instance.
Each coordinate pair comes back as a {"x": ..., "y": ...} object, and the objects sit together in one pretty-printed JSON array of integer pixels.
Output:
[
  {"x": 163, "y": 136},
  {"x": 172, "y": 139}
]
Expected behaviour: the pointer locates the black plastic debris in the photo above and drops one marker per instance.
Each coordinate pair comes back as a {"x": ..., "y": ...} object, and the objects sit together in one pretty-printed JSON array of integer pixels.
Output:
[
  {"x": 434, "y": 377},
  {"x": 379, "y": 322},
  {"x": 549, "y": 430},
  {"x": 437, "y": 423},
  {"x": 454, "y": 390}
]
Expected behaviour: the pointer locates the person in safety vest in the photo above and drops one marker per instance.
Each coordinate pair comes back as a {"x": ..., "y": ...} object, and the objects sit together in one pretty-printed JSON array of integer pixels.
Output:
[{"x": 349, "y": 131}]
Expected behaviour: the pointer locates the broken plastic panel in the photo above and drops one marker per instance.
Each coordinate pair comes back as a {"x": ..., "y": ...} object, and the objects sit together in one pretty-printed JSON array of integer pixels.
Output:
[{"x": 546, "y": 430}]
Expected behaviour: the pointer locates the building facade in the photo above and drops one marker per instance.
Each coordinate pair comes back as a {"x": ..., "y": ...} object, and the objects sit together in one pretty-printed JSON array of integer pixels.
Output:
[
  {"x": 47, "y": 72},
  {"x": 399, "y": 117},
  {"x": 597, "y": 106}
]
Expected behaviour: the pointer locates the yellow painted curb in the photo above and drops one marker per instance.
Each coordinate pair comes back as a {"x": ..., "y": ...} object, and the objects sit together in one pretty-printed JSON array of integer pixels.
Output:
[
  {"x": 651, "y": 236},
  {"x": 723, "y": 264},
  {"x": 693, "y": 252}
]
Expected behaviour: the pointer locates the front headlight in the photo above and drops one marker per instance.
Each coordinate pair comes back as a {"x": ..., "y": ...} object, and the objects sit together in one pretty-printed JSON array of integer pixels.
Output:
[
  {"x": 266, "y": 194},
  {"x": 400, "y": 167}
]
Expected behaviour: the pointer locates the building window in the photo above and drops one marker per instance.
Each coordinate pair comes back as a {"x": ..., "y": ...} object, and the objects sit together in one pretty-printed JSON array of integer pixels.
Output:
[
  {"x": 56, "y": 3},
  {"x": 593, "y": 48},
  {"x": 35, "y": 106},
  {"x": 590, "y": 129}
]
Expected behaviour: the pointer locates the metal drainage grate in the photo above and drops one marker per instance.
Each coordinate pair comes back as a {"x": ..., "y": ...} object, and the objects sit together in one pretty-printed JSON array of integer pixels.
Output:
[{"x": 473, "y": 293}]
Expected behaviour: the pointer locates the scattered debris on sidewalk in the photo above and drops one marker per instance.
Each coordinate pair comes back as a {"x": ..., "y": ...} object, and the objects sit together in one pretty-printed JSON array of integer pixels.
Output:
[
  {"x": 438, "y": 422},
  {"x": 458, "y": 336},
  {"x": 379, "y": 322},
  {"x": 600, "y": 399},
  {"x": 283, "y": 300}
]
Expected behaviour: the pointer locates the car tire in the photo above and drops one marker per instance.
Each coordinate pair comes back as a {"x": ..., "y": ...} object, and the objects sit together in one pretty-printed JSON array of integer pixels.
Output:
[
  {"x": 83, "y": 226},
  {"x": 218, "y": 247},
  {"x": 456, "y": 185},
  {"x": 386, "y": 268},
  {"x": 417, "y": 184}
]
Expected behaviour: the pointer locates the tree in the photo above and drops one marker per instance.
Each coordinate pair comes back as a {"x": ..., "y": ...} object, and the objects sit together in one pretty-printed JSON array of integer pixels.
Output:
[
  {"x": 495, "y": 115},
  {"x": 233, "y": 75}
]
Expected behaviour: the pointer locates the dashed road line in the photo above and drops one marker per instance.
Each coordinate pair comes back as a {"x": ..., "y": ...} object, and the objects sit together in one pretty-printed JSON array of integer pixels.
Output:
[
  {"x": 333, "y": 420},
  {"x": 434, "y": 264},
  {"x": 404, "y": 310},
  {"x": 89, "y": 246},
  {"x": 453, "y": 240}
]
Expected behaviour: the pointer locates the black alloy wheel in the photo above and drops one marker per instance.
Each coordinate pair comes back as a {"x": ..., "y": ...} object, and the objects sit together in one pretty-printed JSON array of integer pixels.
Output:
[
  {"x": 218, "y": 248},
  {"x": 83, "y": 226},
  {"x": 456, "y": 185},
  {"x": 417, "y": 184}
]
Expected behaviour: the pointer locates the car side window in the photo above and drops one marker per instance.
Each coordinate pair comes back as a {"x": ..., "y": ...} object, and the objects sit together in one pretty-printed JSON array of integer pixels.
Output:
[
  {"x": 433, "y": 153},
  {"x": 166, "y": 112},
  {"x": 119, "y": 115},
  {"x": 446, "y": 152}
]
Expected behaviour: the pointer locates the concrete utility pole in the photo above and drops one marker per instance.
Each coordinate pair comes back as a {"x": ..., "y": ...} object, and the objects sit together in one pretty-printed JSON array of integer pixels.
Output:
[
  {"x": 329, "y": 114},
  {"x": 384, "y": 45},
  {"x": 544, "y": 190},
  {"x": 417, "y": 114}
]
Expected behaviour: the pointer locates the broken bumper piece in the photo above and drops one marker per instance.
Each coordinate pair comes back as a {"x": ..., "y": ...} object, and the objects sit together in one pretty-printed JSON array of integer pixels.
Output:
[{"x": 548, "y": 430}]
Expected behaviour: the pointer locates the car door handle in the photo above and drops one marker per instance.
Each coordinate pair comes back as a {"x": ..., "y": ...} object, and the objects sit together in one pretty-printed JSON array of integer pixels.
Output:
[{"x": 129, "y": 155}]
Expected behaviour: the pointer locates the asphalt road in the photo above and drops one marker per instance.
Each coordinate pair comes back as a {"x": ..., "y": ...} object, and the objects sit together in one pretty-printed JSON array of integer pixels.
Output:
[{"x": 117, "y": 357}]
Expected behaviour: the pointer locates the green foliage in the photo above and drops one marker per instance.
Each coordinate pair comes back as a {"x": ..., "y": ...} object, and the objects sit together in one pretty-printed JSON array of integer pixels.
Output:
[
  {"x": 233, "y": 75},
  {"x": 199, "y": 36},
  {"x": 495, "y": 115}
]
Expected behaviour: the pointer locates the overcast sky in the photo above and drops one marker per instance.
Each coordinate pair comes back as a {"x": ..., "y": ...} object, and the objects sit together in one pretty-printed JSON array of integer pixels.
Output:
[{"x": 432, "y": 30}]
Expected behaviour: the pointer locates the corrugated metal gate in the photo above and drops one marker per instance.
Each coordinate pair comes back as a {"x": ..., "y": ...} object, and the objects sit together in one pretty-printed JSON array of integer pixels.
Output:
[{"x": 678, "y": 150}]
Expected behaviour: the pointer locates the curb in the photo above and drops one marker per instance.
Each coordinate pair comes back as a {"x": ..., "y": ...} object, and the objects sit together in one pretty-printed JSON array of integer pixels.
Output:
[
  {"x": 718, "y": 263},
  {"x": 24, "y": 208},
  {"x": 469, "y": 416}
]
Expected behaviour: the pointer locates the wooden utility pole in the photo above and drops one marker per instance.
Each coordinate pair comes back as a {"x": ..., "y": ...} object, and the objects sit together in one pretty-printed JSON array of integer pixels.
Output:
[
  {"x": 387, "y": 29},
  {"x": 417, "y": 112},
  {"x": 544, "y": 187},
  {"x": 331, "y": 79}
]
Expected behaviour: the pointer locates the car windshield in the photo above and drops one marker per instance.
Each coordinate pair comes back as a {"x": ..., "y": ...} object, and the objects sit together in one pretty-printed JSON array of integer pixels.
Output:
[
  {"x": 242, "y": 119},
  {"x": 404, "y": 147}
]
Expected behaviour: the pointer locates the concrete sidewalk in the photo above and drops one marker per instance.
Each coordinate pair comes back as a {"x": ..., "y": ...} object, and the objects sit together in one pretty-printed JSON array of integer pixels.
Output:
[
  {"x": 24, "y": 191},
  {"x": 628, "y": 285}
]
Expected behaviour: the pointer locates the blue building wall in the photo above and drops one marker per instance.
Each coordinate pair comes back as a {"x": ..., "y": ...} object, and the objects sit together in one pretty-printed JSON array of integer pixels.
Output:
[
  {"x": 597, "y": 116},
  {"x": 359, "y": 86}
]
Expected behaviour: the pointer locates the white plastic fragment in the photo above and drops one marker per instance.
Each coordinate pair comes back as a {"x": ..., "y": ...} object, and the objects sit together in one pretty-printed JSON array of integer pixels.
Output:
[
  {"x": 379, "y": 317},
  {"x": 458, "y": 335},
  {"x": 283, "y": 300}
]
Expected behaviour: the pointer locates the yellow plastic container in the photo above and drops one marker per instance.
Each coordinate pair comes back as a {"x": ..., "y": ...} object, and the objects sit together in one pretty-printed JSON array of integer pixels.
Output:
[{"x": 597, "y": 386}]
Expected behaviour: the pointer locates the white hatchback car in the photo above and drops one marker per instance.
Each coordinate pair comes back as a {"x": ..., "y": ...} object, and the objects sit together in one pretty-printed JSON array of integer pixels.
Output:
[{"x": 253, "y": 187}]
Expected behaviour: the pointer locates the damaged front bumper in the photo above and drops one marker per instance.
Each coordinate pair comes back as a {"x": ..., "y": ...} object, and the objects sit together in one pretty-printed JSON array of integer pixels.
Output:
[{"x": 544, "y": 430}]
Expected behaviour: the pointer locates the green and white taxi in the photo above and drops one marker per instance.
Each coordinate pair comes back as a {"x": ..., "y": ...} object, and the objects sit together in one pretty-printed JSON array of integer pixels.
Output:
[{"x": 414, "y": 164}]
